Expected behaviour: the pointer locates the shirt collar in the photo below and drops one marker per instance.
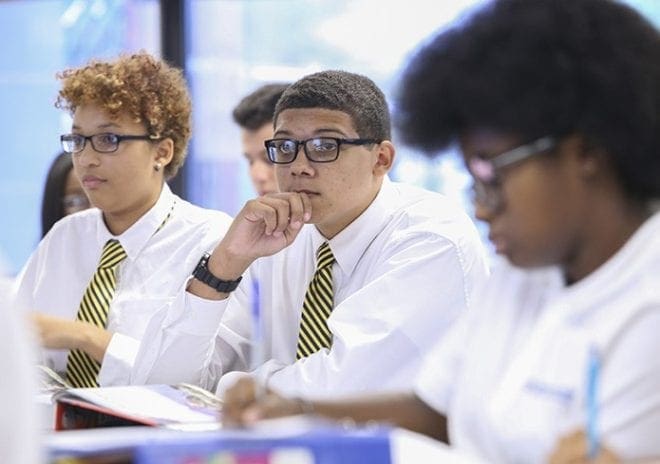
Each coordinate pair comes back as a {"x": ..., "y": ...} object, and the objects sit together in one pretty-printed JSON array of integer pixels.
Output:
[
  {"x": 634, "y": 259},
  {"x": 349, "y": 245},
  {"x": 136, "y": 237}
]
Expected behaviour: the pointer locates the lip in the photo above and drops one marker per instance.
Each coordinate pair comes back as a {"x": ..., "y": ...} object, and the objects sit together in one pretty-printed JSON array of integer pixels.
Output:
[
  {"x": 92, "y": 182},
  {"x": 308, "y": 192},
  {"x": 499, "y": 242}
]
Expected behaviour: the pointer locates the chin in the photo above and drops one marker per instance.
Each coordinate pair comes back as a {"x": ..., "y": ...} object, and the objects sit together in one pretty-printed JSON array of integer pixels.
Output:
[
  {"x": 524, "y": 260},
  {"x": 99, "y": 203}
]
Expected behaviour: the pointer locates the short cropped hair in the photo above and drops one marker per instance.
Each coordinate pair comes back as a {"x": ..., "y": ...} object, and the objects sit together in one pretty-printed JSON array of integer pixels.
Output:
[
  {"x": 257, "y": 108},
  {"x": 146, "y": 88},
  {"x": 353, "y": 94},
  {"x": 544, "y": 67}
]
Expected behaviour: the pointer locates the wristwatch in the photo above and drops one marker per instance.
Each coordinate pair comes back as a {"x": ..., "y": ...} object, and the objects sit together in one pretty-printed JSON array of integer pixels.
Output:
[{"x": 203, "y": 274}]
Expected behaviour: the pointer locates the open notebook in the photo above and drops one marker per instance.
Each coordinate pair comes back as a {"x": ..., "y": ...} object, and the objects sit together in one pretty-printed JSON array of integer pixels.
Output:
[{"x": 176, "y": 406}]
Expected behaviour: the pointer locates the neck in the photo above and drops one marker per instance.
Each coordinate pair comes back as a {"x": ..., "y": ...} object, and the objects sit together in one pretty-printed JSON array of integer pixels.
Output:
[
  {"x": 120, "y": 221},
  {"x": 609, "y": 225}
]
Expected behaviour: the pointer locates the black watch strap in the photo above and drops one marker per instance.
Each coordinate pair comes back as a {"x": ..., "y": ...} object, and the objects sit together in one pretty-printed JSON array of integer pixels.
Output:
[{"x": 203, "y": 274}]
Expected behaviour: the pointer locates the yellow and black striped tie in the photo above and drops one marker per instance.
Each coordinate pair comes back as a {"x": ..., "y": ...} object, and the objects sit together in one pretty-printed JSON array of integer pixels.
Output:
[
  {"x": 82, "y": 370},
  {"x": 314, "y": 333}
]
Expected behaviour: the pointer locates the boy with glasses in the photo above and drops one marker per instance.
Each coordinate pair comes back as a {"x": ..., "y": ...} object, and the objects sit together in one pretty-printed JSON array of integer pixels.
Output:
[{"x": 358, "y": 276}]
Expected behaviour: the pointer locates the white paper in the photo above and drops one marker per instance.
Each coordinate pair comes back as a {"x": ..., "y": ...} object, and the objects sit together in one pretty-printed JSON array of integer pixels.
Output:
[{"x": 146, "y": 401}]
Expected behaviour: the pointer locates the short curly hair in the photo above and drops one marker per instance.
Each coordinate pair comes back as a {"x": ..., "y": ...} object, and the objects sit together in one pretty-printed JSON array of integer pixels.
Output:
[
  {"x": 147, "y": 89},
  {"x": 354, "y": 94},
  {"x": 533, "y": 68},
  {"x": 257, "y": 108}
]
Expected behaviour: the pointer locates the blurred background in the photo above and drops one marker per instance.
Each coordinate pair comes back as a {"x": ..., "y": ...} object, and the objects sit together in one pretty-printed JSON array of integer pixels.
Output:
[{"x": 227, "y": 48}]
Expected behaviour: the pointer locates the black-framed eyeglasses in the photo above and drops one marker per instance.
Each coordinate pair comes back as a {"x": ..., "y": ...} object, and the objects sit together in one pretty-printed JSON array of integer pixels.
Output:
[
  {"x": 485, "y": 171},
  {"x": 106, "y": 142},
  {"x": 317, "y": 149}
]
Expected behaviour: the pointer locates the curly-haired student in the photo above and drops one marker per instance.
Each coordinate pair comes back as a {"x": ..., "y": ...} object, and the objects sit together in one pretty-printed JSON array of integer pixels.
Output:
[{"x": 99, "y": 278}]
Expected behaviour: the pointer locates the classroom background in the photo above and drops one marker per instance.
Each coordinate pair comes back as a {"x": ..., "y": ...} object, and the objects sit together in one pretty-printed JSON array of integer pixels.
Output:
[{"x": 227, "y": 48}]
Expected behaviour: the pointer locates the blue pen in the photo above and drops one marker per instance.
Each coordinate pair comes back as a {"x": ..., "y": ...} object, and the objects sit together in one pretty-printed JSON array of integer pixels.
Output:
[
  {"x": 257, "y": 339},
  {"x": 593, "y": 372}
]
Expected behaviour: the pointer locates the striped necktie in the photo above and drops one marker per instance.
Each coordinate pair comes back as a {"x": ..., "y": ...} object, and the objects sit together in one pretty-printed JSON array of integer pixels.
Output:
[
  {"x": 314, "y": 332},
  {"x": 82, "y": 370}
]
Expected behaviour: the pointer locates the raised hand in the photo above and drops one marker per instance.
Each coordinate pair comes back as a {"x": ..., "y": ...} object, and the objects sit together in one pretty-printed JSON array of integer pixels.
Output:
[
  {"x": 263, "y": 227},
  {"x": 266, "y": 225}
]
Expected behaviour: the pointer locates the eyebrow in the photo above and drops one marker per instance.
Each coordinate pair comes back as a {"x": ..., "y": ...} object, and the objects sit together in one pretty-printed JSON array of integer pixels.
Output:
[
  {"x": 100, "y": 126},
  {"x": 317, "y": 133}
]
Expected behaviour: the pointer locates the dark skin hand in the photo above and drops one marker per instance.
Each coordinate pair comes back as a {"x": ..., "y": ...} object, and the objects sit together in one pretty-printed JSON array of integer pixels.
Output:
[
  {"x": 573, "y": 449},
  {"x": 244, "y": 404}
]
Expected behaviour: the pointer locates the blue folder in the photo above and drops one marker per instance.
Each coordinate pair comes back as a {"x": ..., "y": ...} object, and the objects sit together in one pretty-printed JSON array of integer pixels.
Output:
[{"x": 322, "y": 444}]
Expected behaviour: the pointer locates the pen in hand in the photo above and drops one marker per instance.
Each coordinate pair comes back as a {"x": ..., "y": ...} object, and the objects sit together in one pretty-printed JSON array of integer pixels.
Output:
[
  {"x": 593, "y": 372},
  {"x": 257, "y": 353}
]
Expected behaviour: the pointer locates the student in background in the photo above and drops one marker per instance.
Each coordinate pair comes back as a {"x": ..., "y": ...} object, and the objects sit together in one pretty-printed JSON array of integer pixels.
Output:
[
  {"x": 346, "y": 261},
  {"x": 254, "y": 114},
  {"x": 63, "y": 193},
  {"x": 101, "y": 277},
  {"x": 555, "y": 105}
]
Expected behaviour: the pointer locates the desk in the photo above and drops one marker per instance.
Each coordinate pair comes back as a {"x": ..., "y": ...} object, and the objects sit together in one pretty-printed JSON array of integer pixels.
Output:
[
  {"x": 279, "y": 441},
  {"x": 290, "y": 441}
]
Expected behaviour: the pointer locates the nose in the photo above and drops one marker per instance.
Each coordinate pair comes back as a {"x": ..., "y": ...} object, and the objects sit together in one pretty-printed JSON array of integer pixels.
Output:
[
  {"x": 87, "y": 156},
  {"x": 301, "y": 165},
  {"x": 483, "y": 212}
]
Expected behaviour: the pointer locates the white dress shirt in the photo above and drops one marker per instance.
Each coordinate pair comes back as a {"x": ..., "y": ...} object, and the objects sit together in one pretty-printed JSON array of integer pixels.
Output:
[
  {"x": 19, "y": 425},
  {"x": 404, "y": 270},
  {"x": 151, "y": 281},
  {"x": 512, "y": 376}
]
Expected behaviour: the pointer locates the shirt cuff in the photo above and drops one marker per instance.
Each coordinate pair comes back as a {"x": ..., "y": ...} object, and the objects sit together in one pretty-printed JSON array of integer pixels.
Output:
[
  {"x": 118, "y": 360},
  {"x": 202, "y": 317}
]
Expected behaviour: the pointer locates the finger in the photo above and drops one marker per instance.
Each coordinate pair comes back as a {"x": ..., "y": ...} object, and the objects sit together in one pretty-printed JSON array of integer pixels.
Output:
[
  {"x": 251, "y": 415},
  {"x": 242, "y": 392},
  {"x": 265, "y": 210},
  {"x": 289, "y": 210},
  {"x": 236, "y": 400},
  {"x": 274, "y": 405},
  {"x": 307, "y": 206},
  {"x": 296, "y": 211},
  {"x": 283, "y": 216},
  {"x": 571, "y": 448}
]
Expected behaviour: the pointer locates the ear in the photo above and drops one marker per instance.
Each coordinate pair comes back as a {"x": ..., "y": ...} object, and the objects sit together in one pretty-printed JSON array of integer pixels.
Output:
[
  {"x": 591, "y": 160},
  {"x": 164, "y": 151},
  {"x": 384, "y": 158}
]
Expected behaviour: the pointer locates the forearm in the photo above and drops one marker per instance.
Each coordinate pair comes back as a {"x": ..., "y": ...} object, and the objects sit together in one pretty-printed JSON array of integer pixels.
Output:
[
  {"x": 91, "y": 339},
  {"x": 62, "y": 334},
  {"x": 404, "y": 410},
  {"x": 223, "y": 265}
]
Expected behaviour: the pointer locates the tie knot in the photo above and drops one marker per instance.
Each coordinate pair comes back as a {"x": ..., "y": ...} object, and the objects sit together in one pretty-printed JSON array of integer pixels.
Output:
[
  {"x": 324, "y": 256},
  {"x": 113, "y": 253}
]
